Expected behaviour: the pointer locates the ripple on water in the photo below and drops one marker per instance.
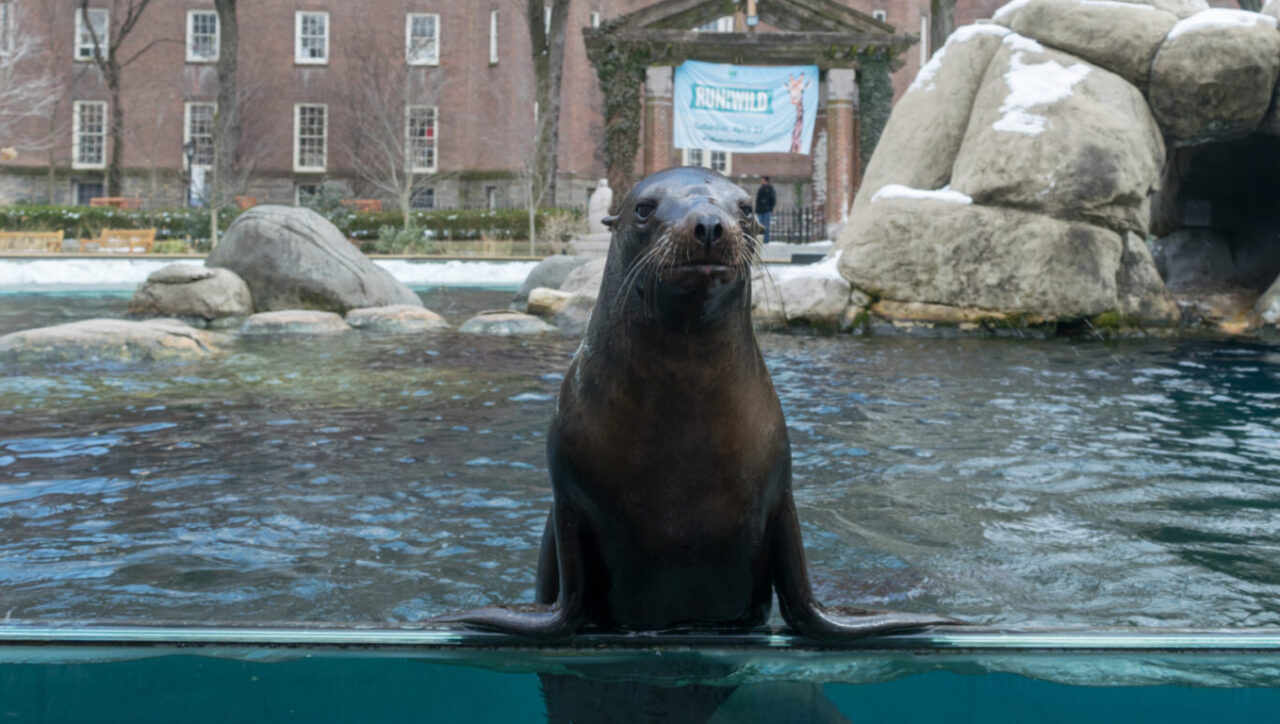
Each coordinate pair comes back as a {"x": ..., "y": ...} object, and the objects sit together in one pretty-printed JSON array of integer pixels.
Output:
[{"x": 370, "y": 479}]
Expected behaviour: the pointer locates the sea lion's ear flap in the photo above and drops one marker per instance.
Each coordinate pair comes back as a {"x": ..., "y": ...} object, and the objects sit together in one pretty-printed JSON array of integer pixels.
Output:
[
  {"x": 610, "y": 221},
  {"x": 759, "y": 226}
]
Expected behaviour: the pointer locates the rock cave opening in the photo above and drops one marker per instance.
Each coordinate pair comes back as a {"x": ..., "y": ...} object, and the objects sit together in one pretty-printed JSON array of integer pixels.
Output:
[{"x": 1217, "y": 224}]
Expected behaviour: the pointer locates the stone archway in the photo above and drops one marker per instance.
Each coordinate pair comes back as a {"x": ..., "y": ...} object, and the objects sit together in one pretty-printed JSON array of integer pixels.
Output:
[{"x": 644, "y": 46}]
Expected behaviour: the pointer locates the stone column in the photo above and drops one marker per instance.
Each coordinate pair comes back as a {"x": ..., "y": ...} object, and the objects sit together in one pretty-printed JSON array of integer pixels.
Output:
[
  {"x": 658, "y": 82},
  {"x": 842, "y": 94}
]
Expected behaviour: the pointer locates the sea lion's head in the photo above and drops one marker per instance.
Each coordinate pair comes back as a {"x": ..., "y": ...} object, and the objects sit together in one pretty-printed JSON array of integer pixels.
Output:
[{"x": 683, "y": 237}]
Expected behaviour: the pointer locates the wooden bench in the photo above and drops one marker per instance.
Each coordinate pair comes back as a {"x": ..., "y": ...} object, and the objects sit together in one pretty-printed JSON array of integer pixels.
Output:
[
  {"x": 362, "y": 205},
  {"x": 118, "y": 202},
  {"x": 30, "y": 242},
  {"x": 121, "y": 241}
]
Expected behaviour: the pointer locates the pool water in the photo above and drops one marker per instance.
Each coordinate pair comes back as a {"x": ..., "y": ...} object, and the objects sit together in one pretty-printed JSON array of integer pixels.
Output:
[{"x": 383, "y": 479}]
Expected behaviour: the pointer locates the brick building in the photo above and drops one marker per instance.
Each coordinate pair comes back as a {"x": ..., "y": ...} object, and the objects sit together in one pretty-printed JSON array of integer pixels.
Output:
[{"x": 299, "y": 60}]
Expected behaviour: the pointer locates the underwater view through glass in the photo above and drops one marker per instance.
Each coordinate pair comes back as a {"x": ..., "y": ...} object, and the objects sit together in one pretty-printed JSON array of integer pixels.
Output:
[{"x": 382, "y": 479}]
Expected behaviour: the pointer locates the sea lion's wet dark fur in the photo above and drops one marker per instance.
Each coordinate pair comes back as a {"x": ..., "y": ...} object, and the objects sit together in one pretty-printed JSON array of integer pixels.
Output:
[{"x": 668, "y": 450}]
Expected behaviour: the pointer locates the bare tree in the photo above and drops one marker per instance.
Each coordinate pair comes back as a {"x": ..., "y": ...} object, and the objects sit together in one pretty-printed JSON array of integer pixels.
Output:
[
  {"x": 389, "y": 118},
  {"x": 124, "y": 17},
  {"x": 546, "y": 25},
  {"x": 28, "y": 87}
]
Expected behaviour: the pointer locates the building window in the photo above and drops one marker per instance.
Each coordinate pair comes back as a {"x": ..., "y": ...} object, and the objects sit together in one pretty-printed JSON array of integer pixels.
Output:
[
  {"x": 424, "y": 199},
  {"x": 420, "y": 129},
  {"x": 303, "y": 193},
  {"x": 422, "y": 39},
  {"x": 719, "y": 25},
  {"x": 491, "y": 197},
  {"x": 197, "y": 122},
  {"x": 595, "y": 18},
  {"x": 310, "y": 131},
  {"x": 879, "y": 15},
  {"x": 493, "y": 37},
  {"x": 311, "y": 38},
  {"x": 546, "y": 19},
  {"x": 99, "y": 20},
  {"x": 88, "y": 190},
  {"x": 89, "y": 134},
  {"x": 202, "y": 36},
  {"x": 721, "y": 161}
]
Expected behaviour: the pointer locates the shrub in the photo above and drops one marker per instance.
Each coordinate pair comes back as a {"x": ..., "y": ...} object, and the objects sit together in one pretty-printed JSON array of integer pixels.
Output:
[
  {"x": 399, "y": 240},
  {"x": 86, "y": 222}
]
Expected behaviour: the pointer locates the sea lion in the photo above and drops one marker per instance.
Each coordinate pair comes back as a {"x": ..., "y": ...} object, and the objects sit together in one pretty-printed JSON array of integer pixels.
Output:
[{"x": 669, "y": 458}]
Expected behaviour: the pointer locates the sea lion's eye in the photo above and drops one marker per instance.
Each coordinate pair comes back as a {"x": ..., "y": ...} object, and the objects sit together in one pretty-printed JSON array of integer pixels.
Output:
[
  {"x": 745, "y": 208},
  {"x": 645, "y": 209}
]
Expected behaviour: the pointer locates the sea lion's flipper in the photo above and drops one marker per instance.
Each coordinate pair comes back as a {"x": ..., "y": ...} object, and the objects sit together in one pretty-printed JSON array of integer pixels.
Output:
[
  {"x": 557, "y": 619},
  {"x": 800, "y": 608},
  {"x": 547, "y": 584}
]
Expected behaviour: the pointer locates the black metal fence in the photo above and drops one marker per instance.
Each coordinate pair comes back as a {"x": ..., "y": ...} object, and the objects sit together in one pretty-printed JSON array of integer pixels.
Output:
[{"x": 798, "y": 224}]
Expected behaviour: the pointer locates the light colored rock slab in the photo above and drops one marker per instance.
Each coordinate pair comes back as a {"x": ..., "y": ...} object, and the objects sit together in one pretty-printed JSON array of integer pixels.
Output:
[
  {"x": 504, "y": 324},
  {"x": 115, "y": 340},
  {"x": 293, "y": 321},
  {"x": 396, "y": 319}
]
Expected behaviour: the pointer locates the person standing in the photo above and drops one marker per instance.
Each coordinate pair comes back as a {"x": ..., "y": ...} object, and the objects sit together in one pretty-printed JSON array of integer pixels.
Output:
[{"x": 765, "y": 201}]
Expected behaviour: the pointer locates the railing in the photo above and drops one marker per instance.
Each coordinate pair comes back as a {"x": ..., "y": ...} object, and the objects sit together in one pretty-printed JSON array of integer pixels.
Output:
[{"x": 798, "y": 224}]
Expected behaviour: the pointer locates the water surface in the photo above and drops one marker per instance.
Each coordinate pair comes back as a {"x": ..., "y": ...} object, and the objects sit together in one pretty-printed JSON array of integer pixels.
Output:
[{"x": 387, "y": 478}]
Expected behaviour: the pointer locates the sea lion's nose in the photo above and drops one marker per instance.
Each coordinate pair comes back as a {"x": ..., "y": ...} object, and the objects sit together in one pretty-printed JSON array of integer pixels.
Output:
[{"x": 707, "y": 229}]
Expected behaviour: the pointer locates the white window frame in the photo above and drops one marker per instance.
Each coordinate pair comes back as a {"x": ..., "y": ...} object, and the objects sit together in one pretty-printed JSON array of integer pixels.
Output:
[
  {"x": 595, "y": 18},
  {"x": 706, "y": 159},
  {"x": 77, "y": 132},
  {"x": 83, "y": 51},
  {"x": 722, "y": 24},
  {"x": 191, "y": 34},
  {"x": 546, "y": 19},
  {"x": 297, "y": 190},
  {"x": 298, "y": 56},
  {"x": 434, "y": 139},
  {"x": 924, "y": 39},
  {"x": 432, "y": 58},
  {"x": 297, "y": 138},
  {"x": 880, "y": 15},
  {"x": 493, "y": 37},
  {"x": 186, "y": 130}
]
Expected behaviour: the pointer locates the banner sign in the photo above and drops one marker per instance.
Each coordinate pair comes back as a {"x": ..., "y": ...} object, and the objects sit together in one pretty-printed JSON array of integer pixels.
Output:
[{"x": 745, "y": 108}]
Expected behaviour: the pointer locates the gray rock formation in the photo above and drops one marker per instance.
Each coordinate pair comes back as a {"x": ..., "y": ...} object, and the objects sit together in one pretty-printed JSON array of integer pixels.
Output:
[
  {"x": 550, "y": 273},
  {"x": 504, "y": 324},
  {"x": 962, "y": 255},
  {"x": 293, "y": 258},
  {"x": 396, "y": 319},
  {"x": 293, "y": 321},
  {"x": 185, "y": 290},
  {"x": 115, "y": 340},
  {"x": 1042, "y": 206},
  {"x": 1267, "y": 310},
  {"x": 1214, "y": 76},
  {"x": 937, "y": 107},
  {"x": 1053, "y": 134},
  {"x": 586, "y": 278}
]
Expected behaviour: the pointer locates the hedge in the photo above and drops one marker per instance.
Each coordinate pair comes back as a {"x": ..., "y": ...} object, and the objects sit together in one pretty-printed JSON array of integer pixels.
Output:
[{"x": 84, "y": 222}]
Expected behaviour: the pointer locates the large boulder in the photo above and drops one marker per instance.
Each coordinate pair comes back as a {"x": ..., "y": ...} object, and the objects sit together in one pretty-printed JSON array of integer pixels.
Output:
[
  {"x": 1121, "y": 37},
  {"x": 1054, "y": 134},
  {"x": 936, "y": 106},
  {"x": 293, "y": 258},
  {"x": 501, "y": 323},
  {"x": 586, "y": 278},
  {"x": 942, "y": 252},
  {"x": 396, "y": 319},
  {"x": 115, "y": 340},
  {"x": 185, "y": 290},
  {"x": 1213, "y": 77},
  {"x": 550, "y": 273},
  {"x": 293, "y": 322}
]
